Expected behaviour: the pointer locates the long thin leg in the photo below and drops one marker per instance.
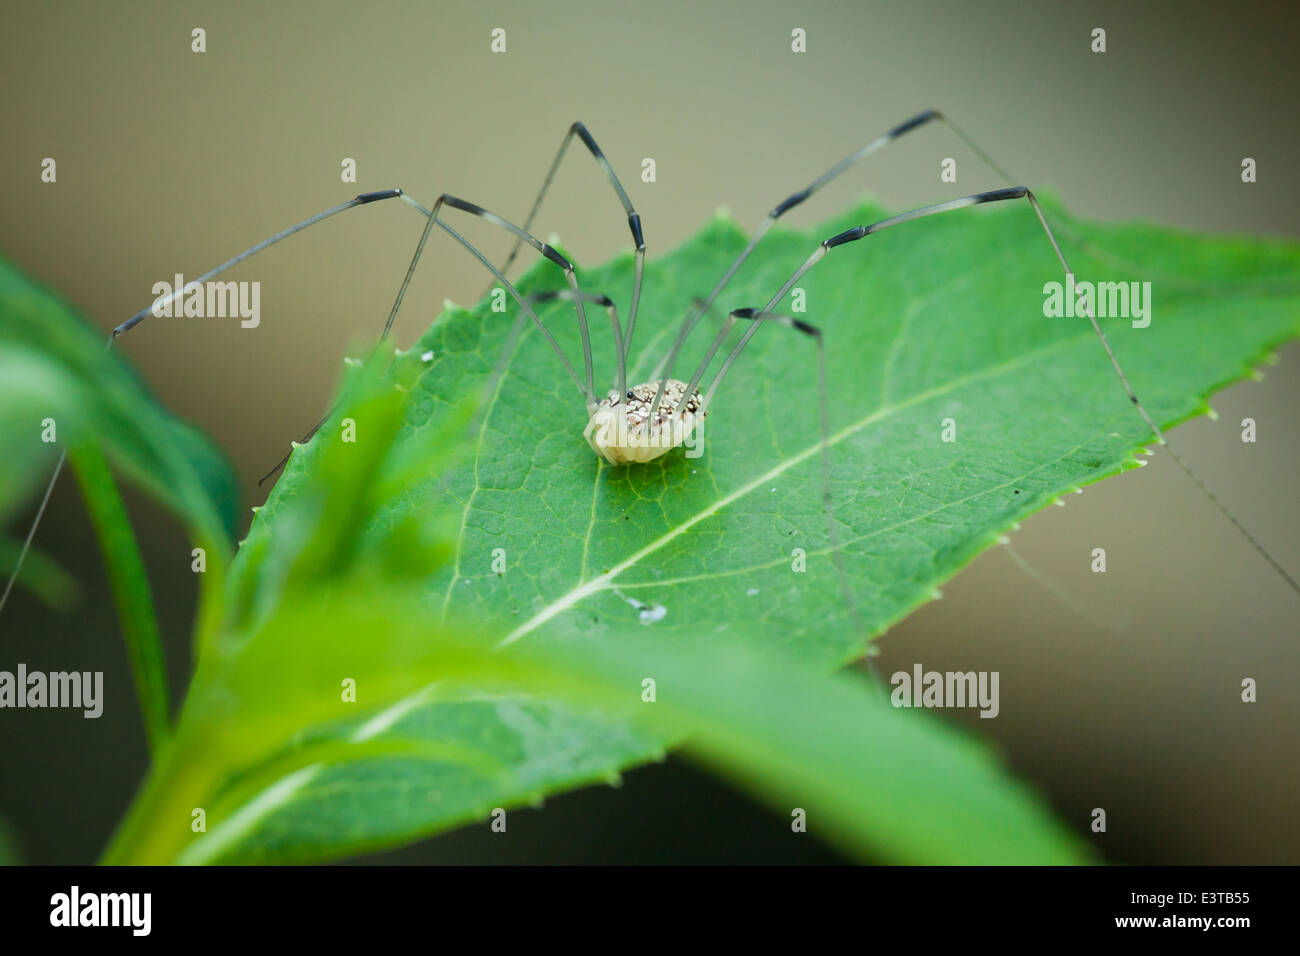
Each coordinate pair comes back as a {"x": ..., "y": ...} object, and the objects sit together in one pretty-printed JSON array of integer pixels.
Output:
[
  {"x": 579, "y": 129},
  {"x": 361, "y": 200},
  {"x": 604, "y": 301},
  {"x": 431, "y": 217},
  {"x": 544, "y": 248},
  {"x": 665, "y": 367},
  {"x": 833, "y": 536},
  {"x": 859, "y": 232},
  {"x": 996, "y": 195},
  {"x": 31, "y": 532},
  {"x": 251, "y": 251}
]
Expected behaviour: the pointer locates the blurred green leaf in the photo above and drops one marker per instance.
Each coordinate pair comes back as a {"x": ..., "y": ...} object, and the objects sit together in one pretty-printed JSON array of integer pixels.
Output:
[
  {"x": 10, "y": 852},
  {"x": 450, "y": 727},
  {"x": 130, "y": 586},
  {"x": 40, "y": 575}
]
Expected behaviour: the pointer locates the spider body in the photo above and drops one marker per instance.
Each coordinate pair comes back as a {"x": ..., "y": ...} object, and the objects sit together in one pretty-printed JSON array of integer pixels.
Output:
[{"x": 622, "y": 432}]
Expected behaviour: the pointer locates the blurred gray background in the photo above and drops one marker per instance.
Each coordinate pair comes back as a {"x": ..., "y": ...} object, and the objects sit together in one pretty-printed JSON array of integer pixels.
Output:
[{"x": 1118, "y": 690}]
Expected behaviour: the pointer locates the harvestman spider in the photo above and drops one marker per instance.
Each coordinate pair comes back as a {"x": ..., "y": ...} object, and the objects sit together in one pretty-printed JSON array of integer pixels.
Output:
[{"x": 638, "y": 424}]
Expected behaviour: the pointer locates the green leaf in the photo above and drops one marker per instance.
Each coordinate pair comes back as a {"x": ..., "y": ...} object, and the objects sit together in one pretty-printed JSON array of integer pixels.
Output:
[{"x": 939, "y": 320}]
